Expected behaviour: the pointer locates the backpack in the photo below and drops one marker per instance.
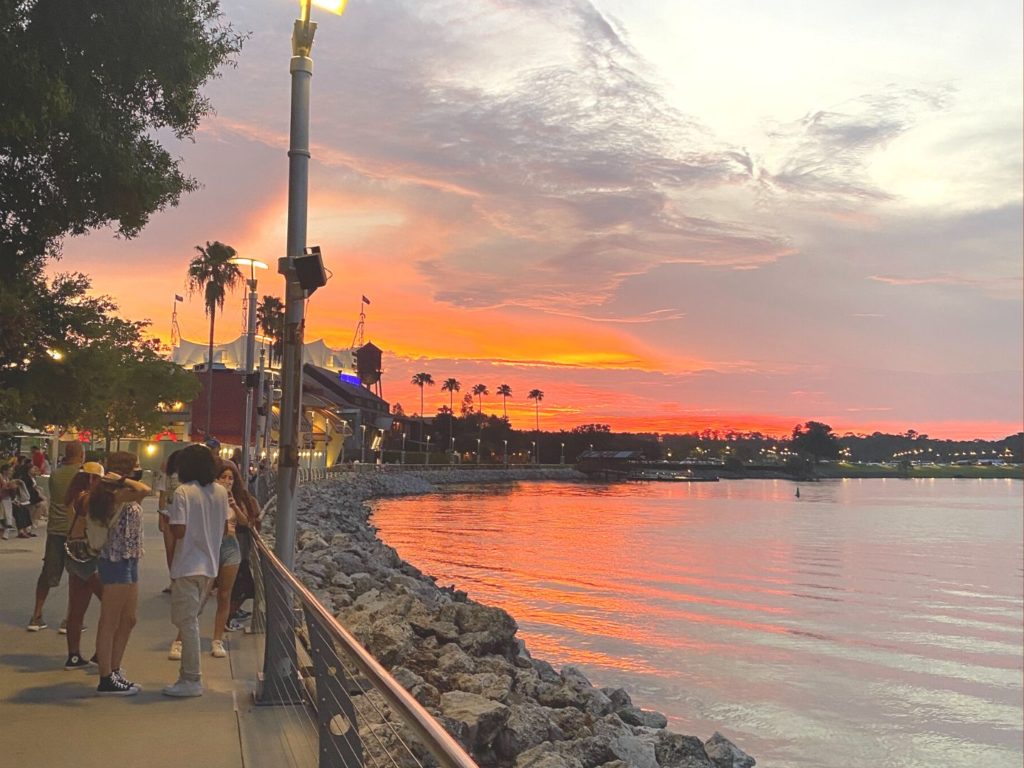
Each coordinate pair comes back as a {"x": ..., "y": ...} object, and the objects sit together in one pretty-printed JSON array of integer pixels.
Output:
[{"x": 86, "y": 537}]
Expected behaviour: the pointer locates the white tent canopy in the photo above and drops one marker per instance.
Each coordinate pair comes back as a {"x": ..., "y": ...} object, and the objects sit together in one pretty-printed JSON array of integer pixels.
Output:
[{"x": 231, "y": 355}]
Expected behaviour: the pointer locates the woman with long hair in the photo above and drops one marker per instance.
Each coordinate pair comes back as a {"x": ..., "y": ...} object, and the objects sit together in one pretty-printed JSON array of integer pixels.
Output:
[
  {"x": 244, "y": 587},
  {"x": 83, "y": 580},
  {"x": 230, "y": 555},
  {"x": 114, "y": 504}
]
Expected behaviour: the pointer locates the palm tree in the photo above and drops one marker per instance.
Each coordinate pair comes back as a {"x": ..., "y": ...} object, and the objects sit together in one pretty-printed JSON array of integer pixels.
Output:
[
  {"x": 270, "y": 321},
  {"x": 421, "y": 379},
  {"x": 212, "y": 272},
  {"x": 505, "y": 391},
  {"x": 451, "y": 386},
  {"x": 480, "y": 390},
  {"x": 536, "y": 395}
]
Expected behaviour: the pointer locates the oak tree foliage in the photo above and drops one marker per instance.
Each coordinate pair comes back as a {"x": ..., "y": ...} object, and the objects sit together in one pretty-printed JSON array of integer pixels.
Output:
[{"x": 89, "y": 89}]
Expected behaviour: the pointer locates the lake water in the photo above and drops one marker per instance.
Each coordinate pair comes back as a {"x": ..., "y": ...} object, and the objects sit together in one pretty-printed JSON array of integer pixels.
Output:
[{"x": 866, "y": 623}]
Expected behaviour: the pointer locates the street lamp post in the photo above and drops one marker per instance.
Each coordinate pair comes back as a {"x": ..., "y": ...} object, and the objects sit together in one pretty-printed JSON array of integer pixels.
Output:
[
  {"x": 478, "y": 451},
  {"x": 250, "y": 353},
  {"x": 426, "y": 456},
  {"x": 280, "y": 667},
  {"x": 363, "y": 454},
  {"x": 562, "y": 459},
  {"x": 533, "y": 451},
  {"x": 506, "y": 453},
  {"x": 452, "y": 451},
  {"x": 403, "y": 449}
]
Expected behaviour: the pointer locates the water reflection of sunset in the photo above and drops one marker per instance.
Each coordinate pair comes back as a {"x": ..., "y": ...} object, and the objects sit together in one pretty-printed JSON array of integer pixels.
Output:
[{"x": 735, "y": 602}]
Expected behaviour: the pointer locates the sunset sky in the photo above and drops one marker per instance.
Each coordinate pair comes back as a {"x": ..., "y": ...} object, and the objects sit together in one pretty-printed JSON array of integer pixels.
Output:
[{"x": 665, "y": 214}]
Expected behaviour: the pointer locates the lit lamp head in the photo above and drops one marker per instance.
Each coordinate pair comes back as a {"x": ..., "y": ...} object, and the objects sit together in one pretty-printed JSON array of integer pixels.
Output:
[
  {"x": 252, "y": 264},
  {"x": 302, "y": 34}
]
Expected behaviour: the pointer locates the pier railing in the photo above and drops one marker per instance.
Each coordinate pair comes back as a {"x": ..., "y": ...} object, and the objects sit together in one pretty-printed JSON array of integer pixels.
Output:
[{"x": 360, "y": 715}]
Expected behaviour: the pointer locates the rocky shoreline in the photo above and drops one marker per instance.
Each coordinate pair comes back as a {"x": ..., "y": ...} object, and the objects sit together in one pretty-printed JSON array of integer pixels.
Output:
[{"x": 462, "y": 660}]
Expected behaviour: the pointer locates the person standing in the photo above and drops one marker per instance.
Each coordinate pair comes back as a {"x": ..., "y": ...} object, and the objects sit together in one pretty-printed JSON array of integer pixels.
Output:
[
  {"x": 230, "y": 556},
  {"x": 56, "y": 531},
  {"x": 38, "y": 458},
  {"x": 198, "y": 519},
  {"x": 83, "y": 581},
  {"x": 22, "y": 486},
  {"x": 114, "y": 504},
  {"x": 165, "y": 486},
  {"x": 6, "y": 501}
]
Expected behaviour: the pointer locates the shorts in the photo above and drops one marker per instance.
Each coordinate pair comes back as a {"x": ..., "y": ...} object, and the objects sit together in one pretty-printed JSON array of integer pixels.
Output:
[
  {"x": 81, "y": 571},
  {"x": 22, "y": 516},
  {"x": 54, "y": 558},
  {"x": 119, "y": 571},
  {"x": 230, "y": 552}
]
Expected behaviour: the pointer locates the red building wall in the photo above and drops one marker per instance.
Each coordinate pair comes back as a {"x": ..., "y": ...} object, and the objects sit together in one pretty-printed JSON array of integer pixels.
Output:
[{"x": 227, "y": 420}]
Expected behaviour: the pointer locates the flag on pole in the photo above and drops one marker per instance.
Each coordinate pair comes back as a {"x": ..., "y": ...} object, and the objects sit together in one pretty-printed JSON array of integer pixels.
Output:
[
  {"x": 178, "y": 298},
  {"x": 365, "y": 300}
]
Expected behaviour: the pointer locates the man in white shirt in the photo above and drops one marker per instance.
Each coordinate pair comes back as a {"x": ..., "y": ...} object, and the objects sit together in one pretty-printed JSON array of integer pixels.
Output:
[{"x": 197, "y": 517}]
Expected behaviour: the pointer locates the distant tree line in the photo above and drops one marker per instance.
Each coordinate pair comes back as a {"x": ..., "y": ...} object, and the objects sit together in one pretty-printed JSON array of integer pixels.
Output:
[{"x": 809, "y": 443}]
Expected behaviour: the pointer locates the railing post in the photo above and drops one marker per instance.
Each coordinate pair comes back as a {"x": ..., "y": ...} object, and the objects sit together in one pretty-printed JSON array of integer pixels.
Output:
[
  {"x": 340, "y": 745},
  {"x": 280, "y": 683},
  {"x": 258, "y": 622}
]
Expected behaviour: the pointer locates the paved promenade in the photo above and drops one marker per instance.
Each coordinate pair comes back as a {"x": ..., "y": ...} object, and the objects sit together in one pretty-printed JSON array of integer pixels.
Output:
[{"x": 50, "y": 716}]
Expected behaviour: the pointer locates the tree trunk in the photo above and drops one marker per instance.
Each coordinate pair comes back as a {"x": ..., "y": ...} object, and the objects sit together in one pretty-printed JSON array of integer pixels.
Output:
[{"x": 209, "y": 378}]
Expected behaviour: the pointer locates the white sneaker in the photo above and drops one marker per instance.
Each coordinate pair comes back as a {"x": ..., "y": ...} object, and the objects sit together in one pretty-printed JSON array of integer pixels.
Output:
[
  {"x": 184, "y": 689},
  {"x": 175, "y": 653},
  {"x": 218, "y": 650}
]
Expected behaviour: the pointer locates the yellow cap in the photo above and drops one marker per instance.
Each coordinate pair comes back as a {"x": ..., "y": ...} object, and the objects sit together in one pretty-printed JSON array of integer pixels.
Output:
[{"x": 93, "y": 468}]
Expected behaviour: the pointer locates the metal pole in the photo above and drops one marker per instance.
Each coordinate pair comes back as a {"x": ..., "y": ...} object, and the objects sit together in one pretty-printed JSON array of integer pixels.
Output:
[
  {"x": 280, "y": 664},
  {"x": 250, "y": 353},
  {"x": 261, "y": 423}
]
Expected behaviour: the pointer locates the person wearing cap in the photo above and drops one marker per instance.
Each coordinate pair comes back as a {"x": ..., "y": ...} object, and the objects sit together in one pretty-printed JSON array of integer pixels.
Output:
[
  {"x": 57, "y": 526},
  {"x": 83, "y": 582},
  {"x": 115, "y": 504}
]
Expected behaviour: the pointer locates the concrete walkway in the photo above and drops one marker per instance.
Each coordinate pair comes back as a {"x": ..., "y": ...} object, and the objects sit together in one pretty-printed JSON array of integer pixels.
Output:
[{"x": 50, "y": 716}]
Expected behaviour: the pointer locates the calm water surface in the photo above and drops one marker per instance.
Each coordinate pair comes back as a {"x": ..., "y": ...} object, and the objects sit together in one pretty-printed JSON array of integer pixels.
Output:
[{"x": 867, "y": 623}]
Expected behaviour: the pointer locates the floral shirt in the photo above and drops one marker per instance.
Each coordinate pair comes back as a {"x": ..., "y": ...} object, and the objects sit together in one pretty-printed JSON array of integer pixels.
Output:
[{"x": 125, "y": 539}]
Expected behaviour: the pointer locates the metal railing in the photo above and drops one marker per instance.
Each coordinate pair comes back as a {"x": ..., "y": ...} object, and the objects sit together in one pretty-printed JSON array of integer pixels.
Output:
[{"x": 317, "y": 669}]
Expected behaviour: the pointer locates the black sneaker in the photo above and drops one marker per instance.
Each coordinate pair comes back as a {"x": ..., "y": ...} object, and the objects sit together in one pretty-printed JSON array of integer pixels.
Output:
[
  {"x": 118, "y": 674},
  {"x": 115, "y": 686},
  {"x": 93, "y": 661},
  {"x": 75, "y": 661}
]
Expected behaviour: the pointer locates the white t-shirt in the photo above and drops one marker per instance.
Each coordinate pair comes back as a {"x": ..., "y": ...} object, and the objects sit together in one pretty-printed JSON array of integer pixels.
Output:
[{"x": 203, "y": 511}]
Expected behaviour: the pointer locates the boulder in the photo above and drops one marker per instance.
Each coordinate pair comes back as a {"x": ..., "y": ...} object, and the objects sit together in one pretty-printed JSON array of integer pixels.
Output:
[
  {"x": 546, "y": 756},
  {"x": 482, "y": 717},
  {"x": 528, "y": 725},
  {"x": 642, "y": 717},
  {"x": 725, "y": 754},
  {"x": 619, "y": 698},
  {"x": 486, "y": 684},
  {"x": 674, "y": 750},
  {"x": 624, "y": 744}
]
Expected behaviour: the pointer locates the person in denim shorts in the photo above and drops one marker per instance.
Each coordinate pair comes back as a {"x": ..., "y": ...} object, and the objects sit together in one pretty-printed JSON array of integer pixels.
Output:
[{"x": 115, "y": 504}]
